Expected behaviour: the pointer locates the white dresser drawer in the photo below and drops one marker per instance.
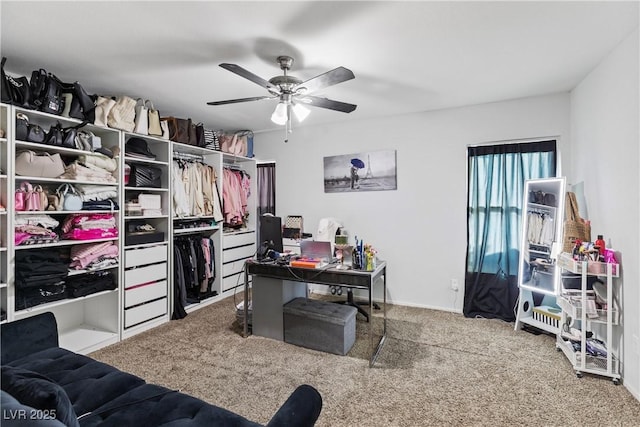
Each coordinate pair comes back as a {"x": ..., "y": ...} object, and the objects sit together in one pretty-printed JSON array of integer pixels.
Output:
[
  {"x": 232, "y": 267},
  {"x": 241, "y": 252},
  {"x": 231, "y": 282},
  {"x": 140, "y": 275},
  {"x": 142, "y": 256},
  {"x": 143, "y": 293},
  {"x": 240, "y": 239},
  {"x": 142, "y": 313}
]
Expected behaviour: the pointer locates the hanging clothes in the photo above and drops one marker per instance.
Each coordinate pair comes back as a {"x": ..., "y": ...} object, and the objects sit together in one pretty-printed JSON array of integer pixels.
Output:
[{"x": 235, "y": 193}]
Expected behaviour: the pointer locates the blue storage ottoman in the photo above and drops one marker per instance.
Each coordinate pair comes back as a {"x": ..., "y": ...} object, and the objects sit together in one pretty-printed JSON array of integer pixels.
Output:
[{"x": 320, "y": 325}]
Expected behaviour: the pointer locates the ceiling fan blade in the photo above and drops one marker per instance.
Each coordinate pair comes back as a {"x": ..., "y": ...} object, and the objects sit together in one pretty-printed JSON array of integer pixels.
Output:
[
  {"x": 233, "y": 101},
  {"x": 330, "y": 78},
  {"x": 250, "y": 76},
  {"x": 327, "y": 103}
]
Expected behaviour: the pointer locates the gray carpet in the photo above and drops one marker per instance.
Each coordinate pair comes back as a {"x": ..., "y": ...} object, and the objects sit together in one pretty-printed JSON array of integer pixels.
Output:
[{"x": 436, "y": 369}]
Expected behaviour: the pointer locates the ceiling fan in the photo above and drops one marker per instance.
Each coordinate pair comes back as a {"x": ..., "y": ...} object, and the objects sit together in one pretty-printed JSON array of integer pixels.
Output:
[{"x": 293, "y": 93}]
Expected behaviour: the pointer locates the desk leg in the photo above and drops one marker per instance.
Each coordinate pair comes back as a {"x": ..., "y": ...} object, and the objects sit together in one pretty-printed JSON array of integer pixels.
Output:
[
  {"x": 246, "y": 303},
  {"x": 376, "y": 350}
]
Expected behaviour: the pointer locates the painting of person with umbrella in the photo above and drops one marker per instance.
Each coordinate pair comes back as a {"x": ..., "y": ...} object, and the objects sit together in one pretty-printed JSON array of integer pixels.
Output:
[
  {"x": 355, "y": 165},
  {"x": 367, "y": 171}
]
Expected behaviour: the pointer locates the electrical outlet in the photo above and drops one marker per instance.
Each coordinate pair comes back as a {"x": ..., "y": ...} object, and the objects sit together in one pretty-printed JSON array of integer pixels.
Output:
[
  {"x": 636, "y": 344},
  {"x": 454, "y": 285}
]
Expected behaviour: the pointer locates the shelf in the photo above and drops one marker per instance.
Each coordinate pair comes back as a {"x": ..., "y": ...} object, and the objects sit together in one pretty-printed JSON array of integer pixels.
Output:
[
  {"x": 574, "y": 309},
  {"x": 592, "y": 364},
  {"x": 164, "y": 190},
  {"x": 540, "y": 325},
  {"x": 128, "y": 217},
  {"x": 52, "y": 148},
  {"x": 50, "y": 305},
  {"x": 85, "y": 271},
  {"x": 62, "y": 181},
  {"x": 86, "y": 338},
  {"x": 130, "y": 159},
  {"x": 192, "y": 149},
  {"x": 195, "y": 229},
  {"x": 594, "y": 268},
  {"x": 94, "y": 211},
  {"x": 146, "y": 245},
  {"x": 3, "y": 285},
  {"x": 241, "y": 231},
  {"x": 64, "y": 243}
]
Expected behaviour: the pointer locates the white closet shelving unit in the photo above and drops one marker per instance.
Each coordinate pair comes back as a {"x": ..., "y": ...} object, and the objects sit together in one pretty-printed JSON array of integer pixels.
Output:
[
  {"x": 86, "y": 323},
  {"x": 4, "y": 217},
  {"x": 240, "y": 245},
  {"x": 146, "y": 293},
  {"x": 228, "y": 263},
  {"x": 578, "y": 320}
]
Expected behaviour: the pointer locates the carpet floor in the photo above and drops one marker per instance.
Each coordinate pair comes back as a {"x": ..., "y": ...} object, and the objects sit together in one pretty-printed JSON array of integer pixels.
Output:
[{"x": 435, "y": 369}]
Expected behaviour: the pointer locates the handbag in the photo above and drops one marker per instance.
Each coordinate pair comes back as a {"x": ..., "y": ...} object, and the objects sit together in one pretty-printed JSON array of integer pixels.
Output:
[
  {"x": 102, "y": 110},
  {"x": 153, "y": 117},
  {"x": 82, "y": 105},
  {"x": 180, "y": 130},
  {"x": 26, "y": 198},
  {"x": 22, "y": 126},
  {"x": 211, "y": 140},
  {"x": 55, "y": 136},
  {"x": 123, "y": 114},
  {"x": 142, "y": 118},
  {"x": 84, "y": 140},
  {"x": 69, "y": 198},
  {"x": 164, "y": 125},
  {"x": 200, "y": 141},
  {"x": 42, "y": 196},
  {"x": 46, "y": 92},
  {"x": 44, "y": 165},
  {"x": 15, "y": 90},
  {"x": 144, "y": 176},
  {"x": 35, "y": 134},
  {"x": 575, "y": 228}
]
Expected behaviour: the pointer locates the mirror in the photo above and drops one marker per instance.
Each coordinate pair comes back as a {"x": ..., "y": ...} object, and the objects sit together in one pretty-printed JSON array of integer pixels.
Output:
[{"x": 540, "y": 243}]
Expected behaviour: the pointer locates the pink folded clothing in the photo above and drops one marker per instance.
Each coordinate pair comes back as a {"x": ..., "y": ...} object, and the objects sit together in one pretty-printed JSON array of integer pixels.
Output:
[
  {"x": 94, "y": 233},
  {"x": 87, "y": 221},
  {"x": 84, "y": 255}
]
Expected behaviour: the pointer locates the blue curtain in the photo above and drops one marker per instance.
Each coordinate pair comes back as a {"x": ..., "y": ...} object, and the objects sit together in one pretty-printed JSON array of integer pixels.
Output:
[{"x": 497, "y": 174}]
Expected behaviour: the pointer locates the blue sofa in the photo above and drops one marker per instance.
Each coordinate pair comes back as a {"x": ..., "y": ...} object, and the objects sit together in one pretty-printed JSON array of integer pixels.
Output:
[{"x": 45, "y": 385}]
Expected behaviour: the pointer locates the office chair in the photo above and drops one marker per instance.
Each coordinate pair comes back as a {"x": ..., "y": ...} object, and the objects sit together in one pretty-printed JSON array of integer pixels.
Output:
[{"x": 350, "y": 301}]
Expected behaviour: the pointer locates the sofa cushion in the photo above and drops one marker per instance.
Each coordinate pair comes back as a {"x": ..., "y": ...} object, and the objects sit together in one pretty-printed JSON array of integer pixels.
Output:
[
  {"x": 160, "y": 406},
  {"x": 41, "y": 393},
  {"x": 88, "y": 383}
]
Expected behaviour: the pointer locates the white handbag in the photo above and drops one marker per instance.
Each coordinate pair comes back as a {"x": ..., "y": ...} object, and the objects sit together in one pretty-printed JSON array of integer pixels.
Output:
[
  {"x": 142, "y": 118},
  {"x": 155, "y": 128},
  {"x": 164, "y": 125},
  {"x": 123, "y": 114},
  {"x": 103, "y": 108}
]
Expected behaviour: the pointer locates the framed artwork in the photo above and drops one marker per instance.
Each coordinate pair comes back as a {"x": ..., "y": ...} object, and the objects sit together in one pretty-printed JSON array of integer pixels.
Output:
[{"x": 366, "y": 171}]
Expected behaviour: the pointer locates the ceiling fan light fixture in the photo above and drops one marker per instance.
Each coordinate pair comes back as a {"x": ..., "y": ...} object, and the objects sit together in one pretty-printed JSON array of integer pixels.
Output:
[
  {"x": 301, "y": 112},
  {"x": 280, "y": 115}
]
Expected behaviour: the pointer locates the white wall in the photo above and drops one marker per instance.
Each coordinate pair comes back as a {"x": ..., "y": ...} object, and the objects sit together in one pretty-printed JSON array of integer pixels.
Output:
[
  {"x": 420, "y": 229},
  {"x": 606, "y": 156}
]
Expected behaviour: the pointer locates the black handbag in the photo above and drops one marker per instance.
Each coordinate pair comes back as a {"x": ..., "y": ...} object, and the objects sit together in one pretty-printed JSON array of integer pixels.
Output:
[
  {"x": 46, "y": 92},
  {"x": 82, "y": 105},
  {"x": 22, "y": 127},
  {"x": 15, "y": 90},
  {"x": 145, "y": 176},
  {"x": 55, "y": 136}
]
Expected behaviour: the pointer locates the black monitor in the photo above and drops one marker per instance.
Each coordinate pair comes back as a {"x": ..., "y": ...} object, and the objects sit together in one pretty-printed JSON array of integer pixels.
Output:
[{"x": 271, "y": 231}]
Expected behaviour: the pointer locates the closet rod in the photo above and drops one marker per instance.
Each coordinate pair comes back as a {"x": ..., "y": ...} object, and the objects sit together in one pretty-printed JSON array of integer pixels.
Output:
[{"x": 187, "y": 156}]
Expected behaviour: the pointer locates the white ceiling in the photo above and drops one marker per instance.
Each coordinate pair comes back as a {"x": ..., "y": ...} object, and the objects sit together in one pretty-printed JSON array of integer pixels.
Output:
[{"x": 406, "y": 56}]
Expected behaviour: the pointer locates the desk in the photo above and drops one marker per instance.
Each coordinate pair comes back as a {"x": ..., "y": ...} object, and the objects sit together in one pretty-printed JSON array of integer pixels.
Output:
[{"x": 291, "y": 282}]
